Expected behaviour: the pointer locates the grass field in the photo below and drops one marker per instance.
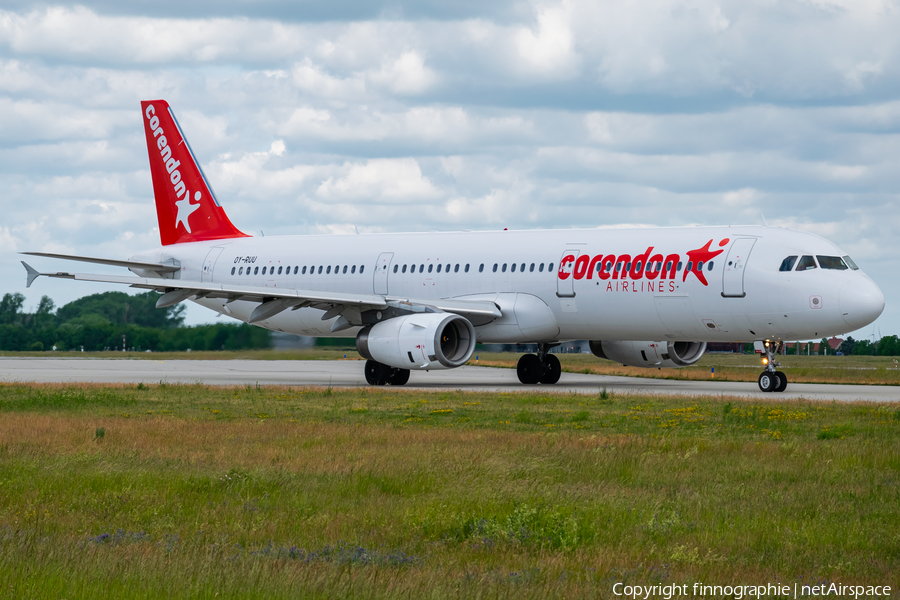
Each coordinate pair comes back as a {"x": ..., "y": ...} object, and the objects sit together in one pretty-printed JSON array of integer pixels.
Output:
[{"x": 265, "y": 492}]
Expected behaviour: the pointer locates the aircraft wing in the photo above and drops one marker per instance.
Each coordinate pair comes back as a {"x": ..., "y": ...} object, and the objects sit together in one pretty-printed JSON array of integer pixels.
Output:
[{"x": 273, "y": 300}]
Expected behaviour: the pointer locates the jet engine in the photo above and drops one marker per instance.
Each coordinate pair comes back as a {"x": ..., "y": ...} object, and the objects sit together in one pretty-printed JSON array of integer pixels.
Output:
[
  {"x": 420, "y": 341},
  {"x": 659, "y": 355}
]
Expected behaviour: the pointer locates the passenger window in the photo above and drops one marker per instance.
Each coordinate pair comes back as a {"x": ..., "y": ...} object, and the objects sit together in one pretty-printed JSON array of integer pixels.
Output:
[
  {"x": 439, "y": 268},
  {"x": 628, "y": 266},
  {"x": 850, "y": 263},
  {"x": 320, "y": 270},
  {"x": 303, "y": 272},
  {"x": 618, "y": 267},
  {"x": 531, "y": 268},
  {"x": 456, "y": 268},
  {"x": 430, "y": 267},
  {"x": 403, "y": 270},
  {"x": 344, "y": 270},
  {"x": 637, "y": 266},
  {"x": 256, "y": 270},
  {"x": 690, "y": 266},
  {"x": 279, "y": 270},
  {"x": 831, "y": 262},
  {"x": 679, "y": 266},
  {"x": 395, "y": 268},
  {"x": 541, "y": 268},
  {"x": 241, "y": 271},
  {"x": 513, "y": 269},
  {"x": 522, "y": 268},
  {"x": 700, "y": 265},
  {"x": 361, "y": 268},
  {"x": 467, "y": 267},
  {"x": 709, "y": 267},
  {"x": 328, "y": 270},
  {"x": 549, "y": 267},
  {"x": 496, "y": 266},
  {"x": 806, "y": 263},
  {"x": 421, "y": 268},
  {"x": 788, "y": 263},
  {"x": 233, "y": 269},
  {"x": 353, "y": 269},
  {"x": 504, "y": 268}
]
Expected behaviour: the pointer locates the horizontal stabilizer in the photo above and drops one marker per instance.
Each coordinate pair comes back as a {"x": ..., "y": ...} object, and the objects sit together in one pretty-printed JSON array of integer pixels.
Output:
[{"x": 167, "y": 267}]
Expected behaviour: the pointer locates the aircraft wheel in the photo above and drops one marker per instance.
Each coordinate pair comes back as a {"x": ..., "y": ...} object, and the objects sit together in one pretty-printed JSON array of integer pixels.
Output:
[
  {"x": 767, "y": 381},
  {"x": 398, "y": 377},
  {"x": 782, "y": 381},
  {"x": 552, "y": 369},
  {"x": 529, "y": 369},
  {"x": 377, "y": 373}
]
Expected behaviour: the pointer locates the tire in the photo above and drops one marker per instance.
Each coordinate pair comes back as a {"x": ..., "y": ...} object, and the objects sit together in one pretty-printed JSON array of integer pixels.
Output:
[
  {"x": 782, "y": 381},
  {"x": 767, "y": 381},
  {"x": 552, "y": 370},
  {"x": 376, "y": 373},
  {"x": 398, "y": 377},
  {"x": 529, "y": 369}
]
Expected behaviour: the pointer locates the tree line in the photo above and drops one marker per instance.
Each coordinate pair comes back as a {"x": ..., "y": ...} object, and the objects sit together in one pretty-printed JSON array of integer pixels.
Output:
[{"x": 99, "y": 322}]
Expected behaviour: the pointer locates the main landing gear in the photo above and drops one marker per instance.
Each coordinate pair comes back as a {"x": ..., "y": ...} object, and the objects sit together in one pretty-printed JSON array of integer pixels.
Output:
[
  {"x": 542, "y": 367},
  {"x": 379, "y": 374},
  {"x": 771, "y": 380}
]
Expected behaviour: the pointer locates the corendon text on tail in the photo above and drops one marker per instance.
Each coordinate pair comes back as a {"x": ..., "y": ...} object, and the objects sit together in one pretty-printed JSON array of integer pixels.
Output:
[{"x": 415, "y": 302}]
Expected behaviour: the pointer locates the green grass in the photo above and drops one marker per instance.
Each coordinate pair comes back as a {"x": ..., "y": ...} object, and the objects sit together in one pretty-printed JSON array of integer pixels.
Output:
[{"x": 262, "y": 492}]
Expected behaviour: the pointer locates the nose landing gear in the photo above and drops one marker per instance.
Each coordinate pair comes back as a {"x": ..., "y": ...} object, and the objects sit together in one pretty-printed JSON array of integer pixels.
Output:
[
  {"x": 542, "y": 367},
  {"x": 772, "y": 380}
]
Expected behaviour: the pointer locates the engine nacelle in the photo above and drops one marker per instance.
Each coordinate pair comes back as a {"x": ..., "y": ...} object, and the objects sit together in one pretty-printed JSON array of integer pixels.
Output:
[
  {"x": 656, "y": 355},
  {"x": 419, "y": 342}
]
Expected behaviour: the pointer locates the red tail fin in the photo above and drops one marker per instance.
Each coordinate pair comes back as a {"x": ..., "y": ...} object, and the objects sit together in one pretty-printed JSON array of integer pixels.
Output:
[{"x": 186, "y": 206}]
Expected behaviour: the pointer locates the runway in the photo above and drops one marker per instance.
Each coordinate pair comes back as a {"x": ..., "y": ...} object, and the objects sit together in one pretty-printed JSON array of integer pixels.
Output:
[{"x": 341, "y": 373}]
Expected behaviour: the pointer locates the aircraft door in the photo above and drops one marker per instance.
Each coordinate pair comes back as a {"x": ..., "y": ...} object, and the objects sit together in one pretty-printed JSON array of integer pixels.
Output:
[
  {"x": 381, "y": 272},
  {"x": 206, "y": 273},
  {"x": 565, "y": 280},
  {"x": 733, "y": 277}
]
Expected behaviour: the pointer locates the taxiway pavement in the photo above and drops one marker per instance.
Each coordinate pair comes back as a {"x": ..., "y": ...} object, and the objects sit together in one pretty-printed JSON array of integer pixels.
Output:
[{"x": 339, "y": 373}]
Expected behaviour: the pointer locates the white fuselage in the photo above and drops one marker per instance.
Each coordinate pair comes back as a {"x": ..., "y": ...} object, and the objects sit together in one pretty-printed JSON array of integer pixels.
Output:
[{"x": 745, "y": 298}]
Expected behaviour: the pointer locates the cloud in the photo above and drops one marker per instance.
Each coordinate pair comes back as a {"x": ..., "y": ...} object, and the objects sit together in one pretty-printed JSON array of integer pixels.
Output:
[
  {"x": 412, "y": 116},
  {"x": 391, "y": 180},
  {"x": 407, "y": 75}
]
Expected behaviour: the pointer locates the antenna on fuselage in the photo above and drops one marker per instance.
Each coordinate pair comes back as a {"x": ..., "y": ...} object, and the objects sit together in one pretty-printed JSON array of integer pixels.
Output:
[{"x": 765, "y": 223}]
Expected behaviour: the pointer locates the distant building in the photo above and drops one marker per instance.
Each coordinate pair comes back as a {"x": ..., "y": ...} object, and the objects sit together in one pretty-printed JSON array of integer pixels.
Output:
[{"x": 734, "y": 347}]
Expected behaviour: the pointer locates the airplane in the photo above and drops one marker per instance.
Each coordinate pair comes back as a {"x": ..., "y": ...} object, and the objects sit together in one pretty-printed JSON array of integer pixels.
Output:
[{"x": 421, "y": 301}]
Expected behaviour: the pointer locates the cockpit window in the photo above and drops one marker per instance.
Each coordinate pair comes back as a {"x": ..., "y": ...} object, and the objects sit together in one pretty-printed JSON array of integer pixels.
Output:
[
  {"x": 831, "y": 262},
  {"x": 850, "y": 263},
  {"x": 788, "y": 263},
  {"x": 806, "y": 263}
]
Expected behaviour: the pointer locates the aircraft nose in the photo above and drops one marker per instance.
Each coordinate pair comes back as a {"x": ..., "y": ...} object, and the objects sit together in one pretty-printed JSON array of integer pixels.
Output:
[{"x": 861, "y": 302}]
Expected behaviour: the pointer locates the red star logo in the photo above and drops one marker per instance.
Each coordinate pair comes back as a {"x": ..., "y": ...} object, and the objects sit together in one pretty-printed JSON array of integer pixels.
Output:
[{"x": 698, "y": 258}]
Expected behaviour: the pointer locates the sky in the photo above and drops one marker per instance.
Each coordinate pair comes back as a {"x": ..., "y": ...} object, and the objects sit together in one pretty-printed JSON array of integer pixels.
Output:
[{"x": 332, "y": 117}]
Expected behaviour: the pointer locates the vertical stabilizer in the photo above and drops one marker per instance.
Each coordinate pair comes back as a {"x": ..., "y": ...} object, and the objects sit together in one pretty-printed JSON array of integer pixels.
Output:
[{"x": 186, "y": 206}]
